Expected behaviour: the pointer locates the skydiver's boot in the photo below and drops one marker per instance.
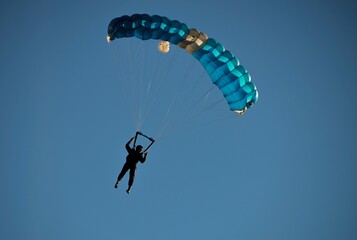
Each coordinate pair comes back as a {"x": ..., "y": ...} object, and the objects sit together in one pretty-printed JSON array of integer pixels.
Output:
[
  {"x": 116, "y": 184},
  {"x": 128, "y": 190}
]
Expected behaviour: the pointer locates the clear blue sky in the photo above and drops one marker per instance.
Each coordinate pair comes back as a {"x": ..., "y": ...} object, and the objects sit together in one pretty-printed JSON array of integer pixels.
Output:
[{"x": 286, "y": 170}]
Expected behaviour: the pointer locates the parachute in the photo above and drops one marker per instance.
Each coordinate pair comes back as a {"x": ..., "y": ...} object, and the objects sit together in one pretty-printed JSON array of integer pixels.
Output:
[{"x": 222, "y": 66}]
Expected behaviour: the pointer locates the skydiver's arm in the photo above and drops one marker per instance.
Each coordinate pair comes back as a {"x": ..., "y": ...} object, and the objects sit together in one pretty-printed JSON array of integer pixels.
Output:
[
  {"x": 144, "y": 158},
  {"x": 127, "y": 146},
  {"x": 136, "y": 136}
]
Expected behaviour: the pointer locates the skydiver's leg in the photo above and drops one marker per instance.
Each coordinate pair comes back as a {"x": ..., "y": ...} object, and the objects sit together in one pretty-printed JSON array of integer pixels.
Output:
[
  {"x": 122, "y": 173},
  {"x": 131, "y": 178}
]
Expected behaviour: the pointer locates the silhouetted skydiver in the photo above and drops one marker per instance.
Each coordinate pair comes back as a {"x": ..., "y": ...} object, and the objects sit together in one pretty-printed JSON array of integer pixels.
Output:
[{"x": 134, "y": 156}]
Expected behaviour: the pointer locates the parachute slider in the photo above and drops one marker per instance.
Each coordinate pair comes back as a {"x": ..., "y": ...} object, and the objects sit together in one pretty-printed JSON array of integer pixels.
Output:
[
  {"x": 164, "y": 46},
  {"x": 194, "y": 41}
]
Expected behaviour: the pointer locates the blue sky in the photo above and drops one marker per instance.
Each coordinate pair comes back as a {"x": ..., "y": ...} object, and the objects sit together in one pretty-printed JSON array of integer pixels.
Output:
[{"x": 285, "y": 170}]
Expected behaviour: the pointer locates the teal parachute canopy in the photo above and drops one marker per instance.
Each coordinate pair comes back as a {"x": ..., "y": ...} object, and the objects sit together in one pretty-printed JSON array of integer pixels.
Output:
[{"x": 221, "y": 65}]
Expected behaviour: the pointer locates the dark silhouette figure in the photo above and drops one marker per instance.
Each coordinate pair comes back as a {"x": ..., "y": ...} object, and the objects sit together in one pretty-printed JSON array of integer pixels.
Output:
[{"x": 134, "y": 156}]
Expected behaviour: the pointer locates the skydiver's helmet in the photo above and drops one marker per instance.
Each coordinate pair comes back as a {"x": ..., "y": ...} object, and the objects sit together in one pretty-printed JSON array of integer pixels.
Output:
[{"x": 139, "y": 148}]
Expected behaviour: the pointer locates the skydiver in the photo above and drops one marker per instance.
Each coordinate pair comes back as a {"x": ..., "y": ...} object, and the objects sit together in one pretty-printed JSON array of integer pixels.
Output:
[{"x": 134, "y": 156}]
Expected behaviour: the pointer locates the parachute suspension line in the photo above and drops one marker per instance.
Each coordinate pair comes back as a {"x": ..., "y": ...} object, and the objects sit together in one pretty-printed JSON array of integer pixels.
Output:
[
  {"x": 200, "y": 97},
  {"x": 117, "y": 60},
  {"x": 161, "y": 80},
  {"x": 135, "y": 58},
  {"x": 165, "y": 121},
  {"x": 131, "y": 78},
  {"x": 166, "y": 73},
  {"x": 206, "y": 108},
  {"x": 201, "y": 100},
  {"x": 138, "y": 62},
  {"x": 209, "y": 108},
  {"x": 169, "y": 116},
  {"x": 188, "y": 124},
  {"x": 155, "y": 70},
  {"x": 164, "y": 77},
  {"x": 122, "y": 70},
  {"x": 117, "y": 54},
  {"x": 143, "y": 86},
  {"x": 189, "y": 118},
  {"x": 142, "y": 82},
  {"x": 146, "y": 98}
]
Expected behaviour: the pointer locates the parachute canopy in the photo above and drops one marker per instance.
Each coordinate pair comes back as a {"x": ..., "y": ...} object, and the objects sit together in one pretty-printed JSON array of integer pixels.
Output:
[{"x": 221, "y": 65}]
